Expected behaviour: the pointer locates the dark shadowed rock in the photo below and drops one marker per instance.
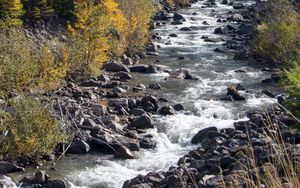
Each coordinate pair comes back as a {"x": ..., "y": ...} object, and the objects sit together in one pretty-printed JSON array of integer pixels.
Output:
[
  {"x": 57, "y": 183},
  {"x": 178, "y": 107},
  {"x": 6, "y": 167},
  {"x": 40, "y": 177},
  {"x": 202, "y": 134},
  {"x": 115, "y": 67},
  {"x": 178, "y": 17},
  {"x": 233, "y": 92},
  {"x": 138, "y": 68},
  {"x": 143, "y": 122},
  {"x": 166, "y": 110},
  {"x": 123, "y": 76},
  {"x": 79, "y": 147},
  {"x": 124, "y": 153}
]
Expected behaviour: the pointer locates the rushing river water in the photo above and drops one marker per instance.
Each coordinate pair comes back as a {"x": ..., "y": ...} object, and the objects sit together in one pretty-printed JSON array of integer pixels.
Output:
[{"x": 200, "y": 98}]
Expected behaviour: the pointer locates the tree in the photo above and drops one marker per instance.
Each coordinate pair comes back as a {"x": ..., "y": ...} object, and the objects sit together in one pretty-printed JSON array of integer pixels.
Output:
[
  {"x": 11, "y": 11},
  {"x": 36, "y": 10},
  {"x": 64, "y": 8}
]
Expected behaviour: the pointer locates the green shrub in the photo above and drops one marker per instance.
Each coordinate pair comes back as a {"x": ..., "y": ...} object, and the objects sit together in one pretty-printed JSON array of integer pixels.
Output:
[
  {"x": 292, "y": 84},
  {"x": 32, "y": 130},
  {"x": 278, "y": 37},
  {"x": 25, "y": 65}
]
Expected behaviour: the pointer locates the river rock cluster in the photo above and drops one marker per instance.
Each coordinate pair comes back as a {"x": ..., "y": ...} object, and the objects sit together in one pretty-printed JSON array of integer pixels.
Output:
[{"x": 225, "y": 157}]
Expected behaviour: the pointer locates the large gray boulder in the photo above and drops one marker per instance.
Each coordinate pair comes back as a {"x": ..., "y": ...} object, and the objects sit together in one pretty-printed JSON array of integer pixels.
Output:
[
  {"x": 124, "y": 153},
  {"x": 143, "y": 122},
  {"x": 6, "y": 167},
  {"x": 115, "y": 67},
  {"x": 79, "y": 147}
]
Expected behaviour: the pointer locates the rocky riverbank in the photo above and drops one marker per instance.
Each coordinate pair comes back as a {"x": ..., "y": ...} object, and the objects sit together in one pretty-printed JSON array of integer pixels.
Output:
[
  {"x": 109, "y": 114},
  {"x": 102, "y": 114},
  {"x": 252, "y": 149}
]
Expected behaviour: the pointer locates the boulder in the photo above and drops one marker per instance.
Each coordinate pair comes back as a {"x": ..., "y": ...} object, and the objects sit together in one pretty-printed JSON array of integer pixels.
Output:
[
  {"x": 185, "y": 29},
  {"x": 137, "y": 112},
  {"x": 115, "y": 67},
  {"x": 138, "y": 68},
  {"x": 242, "y": 55},
  {"x": 233, "y": 92},
  {"x": 155, "y": 86},
  {"x": 221, "y": 30},
  {"x": 40, "y": 177},
  {"x": 147, "y": 142},
  {"x": 166, "y": 110},
  {"x": 178, "y": 107},
  {"x": 202, "y": 134},
  {"x": 79, "y": 147},
  {"x": 57, "y": 183},
  {"x": 124, "y": 76},
  {"x": 143, "y": 122},
  {"x": 178, "y": 17},
  {"x": 99, "y": 110},
  {"x": 6, "y": 167},
  {"x": 124, "y": 153}
]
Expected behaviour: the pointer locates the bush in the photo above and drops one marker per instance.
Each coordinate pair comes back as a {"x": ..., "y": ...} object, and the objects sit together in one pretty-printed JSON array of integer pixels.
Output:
[
  {"x": 292, "y": 84},
  {"x": 278, "y": 37},
  {"x": 110, "y": 27},
  {"x": 24, "y": 65},
  {"x": 32, "y": 131},
  {"x": 138, "y": 14}
]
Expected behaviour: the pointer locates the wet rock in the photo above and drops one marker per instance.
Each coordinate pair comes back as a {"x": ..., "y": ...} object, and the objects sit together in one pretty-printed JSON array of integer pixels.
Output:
[
  {"x": 118, "y": 90},
  {"x": 185, "y": 29},
  {"x": 268, "y": 93},
  {"x": 205, "y": 23},
  {"x": 124, "y": 76},
  {"x": 233, "y": 92},
  {"x": 147, "y": 143},
  {"x": 178, "y": 17},
  {"x": 214, "y": 39},
  {"x": 236, "y": 17},
  {"x": 155, "y": 86},
  {"x": 268, "y": 81},
  {"x": 220, "y": 50},
  {"x": 242, "y": 55},
  {"x": 182, "y": 74},
  {"x": 6, "y": 167},
  {"x": 138, "y": 88},
  {"x": 89, "y": 83},
  {"x": 115, "y": 67},
  {"x": 124, "y": 153},
  {"x": 57, "y": 183},
  {"x": 138, "y": 68},
  {"x": 202, "y": 134},
  {"x": 225, "y": 2},
  {"x": 137, "y": 112},
  {"x": 152, "y": 47},
  {"x": 245, "y": 29},
  {"x": 178, "y": 107},
  {"x": 221, "y": 30},
  {"x": 143, "y": 122},
  {"x": 114, "y": 126},
  {"x": 149, "y": 103},
  {"x": 166, "y": 110},
  {"x": 40, "y": 177},
  {"x": 173, "y": 35},
  {"x": 79, "y": 147},
  {"x": 103, "y": 78}
]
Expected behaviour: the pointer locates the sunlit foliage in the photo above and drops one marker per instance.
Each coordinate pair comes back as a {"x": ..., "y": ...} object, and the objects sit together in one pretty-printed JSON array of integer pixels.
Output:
[{"x": 31, "y": 129}]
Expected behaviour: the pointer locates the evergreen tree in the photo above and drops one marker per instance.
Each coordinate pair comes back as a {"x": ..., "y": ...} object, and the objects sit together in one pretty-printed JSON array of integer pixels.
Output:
[
  {"x": 38, "y": 10},
  {"x": 11, "y": 11},
  {"x": 64, "y": 8}
]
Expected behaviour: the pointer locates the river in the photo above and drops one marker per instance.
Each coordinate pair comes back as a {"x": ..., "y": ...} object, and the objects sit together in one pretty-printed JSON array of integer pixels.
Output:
[{"x": 201, "y": 99}]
